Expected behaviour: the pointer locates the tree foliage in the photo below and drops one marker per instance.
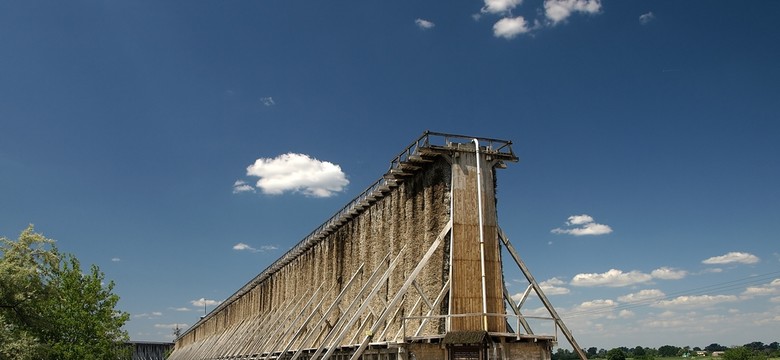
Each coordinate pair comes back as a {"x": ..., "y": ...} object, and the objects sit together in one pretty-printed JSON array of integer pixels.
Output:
[{"x": 51, "y": 309}]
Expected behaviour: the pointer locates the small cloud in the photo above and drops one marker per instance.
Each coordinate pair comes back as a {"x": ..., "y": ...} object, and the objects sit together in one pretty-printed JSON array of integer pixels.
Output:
[
  {"x": 587, "y": 226},
  {"x": 772, "y": 288},
  {"x": 152, "y": 315},
  {"x": 732, "y": 257},
  {"x": 775, "y": 299},
  {"x": 241, "y": 186},
  {"x": 244, "y": 247},
  {"x": 646, "y": 18},
  {"x": 666, "y": 273},
  {"x": 643, "y": 295},
  {"x": 509, "y": 27},
  {"x": 553, "y": 287},
  {"x": 559, "y": 10},
  {"x": 181, "y": 309},
  {"x": 116, "y": 259},
  {"x": 268, "y": 101},
  {"x": 626, "y": 314},
  {"x": 611, "y": 278},
  {"x": 500, "y": 6},
  {"x": 204, "y": 302},
  {"x": 695, "y": 301},
  {"x": 298, "y": 173},
  {"x": 424, "y": 24}
]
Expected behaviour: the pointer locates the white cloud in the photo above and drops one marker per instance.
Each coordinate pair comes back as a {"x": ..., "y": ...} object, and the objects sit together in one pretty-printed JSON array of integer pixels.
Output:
[
  {"x": 625, "y": 314},
  {"x": 587, "y": 226},
  {"x": 204, "y": 302},
  {"x": 152, "y": 315},
  {"x": 298, "y": 173},
  {"x": 268, "y": 101},
  {"x": 646, "y": 18},
  {"x": 775, "y": 299},
  {"x": 666, "y": 273},
  {"x": 611, "y": 278},
  {"x": 768, "y": 289},
  {"x": 181, "y": 309},
  {"x": 500, "y": 6},
  {"x": 244, "y": 247},
  {"x": 552, "y": 287},
  {"x": 560, "y": 10},
  {"x": 116, "y": 259},
  {"x": 510, "y": 27},
  {"x": 424, "y": 24},
  {"x": 695, "y": 301},
  {"x": 732, "y": 257},
  {"x": 240, "y": 186},
  {"x": 598, "y": 305},
  {"x": 643, "y": 295}
]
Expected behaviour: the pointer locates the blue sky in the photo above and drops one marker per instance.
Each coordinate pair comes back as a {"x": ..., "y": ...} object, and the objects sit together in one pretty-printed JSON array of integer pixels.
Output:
[{"x": 127, "y": 130}]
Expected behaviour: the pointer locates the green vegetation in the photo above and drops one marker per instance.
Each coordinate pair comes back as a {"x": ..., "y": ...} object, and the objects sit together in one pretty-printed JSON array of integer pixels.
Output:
[
  {"x": 51, "y": 309},
  {"x": 752, "y": 351}
]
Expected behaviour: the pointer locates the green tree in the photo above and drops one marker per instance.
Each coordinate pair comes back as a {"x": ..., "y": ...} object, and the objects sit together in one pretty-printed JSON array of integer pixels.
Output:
[
  {"x": 51, "y": 309},
  {"x": 742, "y": 353},
  {"x": 668, "y": 351},
  {"x": 616, "y": 354}
]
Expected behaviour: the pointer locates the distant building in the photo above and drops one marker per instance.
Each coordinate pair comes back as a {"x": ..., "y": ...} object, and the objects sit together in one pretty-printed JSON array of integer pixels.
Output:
[
  {"x": 147, "y": 350},
  {"x": 717, "y": 353},
  {"x": 701, "y": 353}
]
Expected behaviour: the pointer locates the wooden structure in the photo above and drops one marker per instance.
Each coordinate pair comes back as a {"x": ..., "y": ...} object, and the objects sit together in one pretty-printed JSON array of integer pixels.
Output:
[
  {"x": 147, "y": 350},
  {"x": 411, "y": 268}
]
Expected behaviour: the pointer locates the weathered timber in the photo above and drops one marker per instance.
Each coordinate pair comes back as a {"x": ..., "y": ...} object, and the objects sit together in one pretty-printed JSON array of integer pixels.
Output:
[{"x": 421, "y": 249}]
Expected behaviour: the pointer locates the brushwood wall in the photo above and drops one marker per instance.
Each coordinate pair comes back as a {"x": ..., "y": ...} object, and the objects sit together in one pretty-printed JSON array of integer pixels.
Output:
[{"x": 408, "y": 217}]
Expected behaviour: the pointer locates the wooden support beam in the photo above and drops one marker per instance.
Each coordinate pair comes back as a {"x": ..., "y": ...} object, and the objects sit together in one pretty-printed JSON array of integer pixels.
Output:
[
  {"x": 541, "y": 295},
  {"x": 402, "y": 291}
]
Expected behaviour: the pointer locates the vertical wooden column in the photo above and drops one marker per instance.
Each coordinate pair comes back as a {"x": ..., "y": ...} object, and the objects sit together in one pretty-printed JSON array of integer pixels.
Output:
[{"x": 466, "y": 292}]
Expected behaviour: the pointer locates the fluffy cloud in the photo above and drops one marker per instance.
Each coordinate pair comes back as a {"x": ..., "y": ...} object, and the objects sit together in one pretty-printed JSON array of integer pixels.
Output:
[
  {"x": 666, "y": 273},
  {"x": 586, "y": 226},
  {"x": 297, "y": 173},
  {"x": 181, "y": 309},
  {"x": 644, "y": 295},
  {"x": 646, "y": 18},
  {"x": 626, "y": 314},
  {"x": 553, "y": 287},
  {"x": 204, "y": 302},
  {"x": 116, "y": 259},
  {"x": 500, "y": 6},
  {"x": 510, "y": 27},
  {"x": 559, "y": 10},
  {"x": 695, "y": 301},
  {"x": 732, "y": 257},
  {"x": 424, "y": 24},
  {"x": 611, "y": 278}
]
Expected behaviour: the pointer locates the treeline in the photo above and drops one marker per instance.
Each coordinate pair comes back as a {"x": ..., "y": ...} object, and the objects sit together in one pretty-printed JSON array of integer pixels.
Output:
[{"x": 752, "y": 351}]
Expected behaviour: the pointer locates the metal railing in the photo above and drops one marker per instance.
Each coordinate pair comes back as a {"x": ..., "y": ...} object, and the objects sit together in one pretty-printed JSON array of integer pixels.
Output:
[{"x": 512, "y": 319}]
